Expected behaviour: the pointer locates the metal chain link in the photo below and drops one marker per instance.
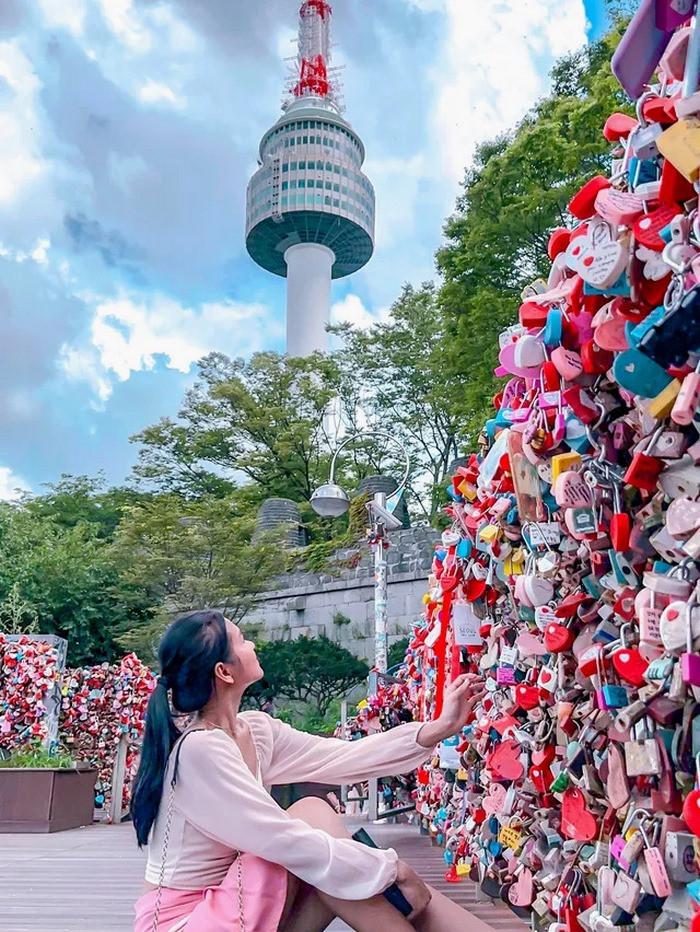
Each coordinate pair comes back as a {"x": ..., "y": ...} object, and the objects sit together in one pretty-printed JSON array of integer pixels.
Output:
[
  {"x": 241, "y": 915},
  {"x": 166, "y": 839}
]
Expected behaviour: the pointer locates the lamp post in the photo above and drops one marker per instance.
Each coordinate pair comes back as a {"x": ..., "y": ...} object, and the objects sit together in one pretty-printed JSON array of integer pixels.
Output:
[{"x": 332, "y": 501}]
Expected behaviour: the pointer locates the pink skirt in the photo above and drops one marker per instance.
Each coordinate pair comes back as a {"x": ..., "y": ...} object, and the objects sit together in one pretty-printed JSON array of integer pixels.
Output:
[{"x": 216, "y": 909}]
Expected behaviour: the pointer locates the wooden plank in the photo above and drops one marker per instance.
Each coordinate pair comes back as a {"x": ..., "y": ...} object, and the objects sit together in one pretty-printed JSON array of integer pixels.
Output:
[{"x": 87, "y": 880}]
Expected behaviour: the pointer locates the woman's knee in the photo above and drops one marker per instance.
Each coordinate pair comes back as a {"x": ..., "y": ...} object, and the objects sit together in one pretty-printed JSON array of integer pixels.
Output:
[{"x": 319, "y": 814}]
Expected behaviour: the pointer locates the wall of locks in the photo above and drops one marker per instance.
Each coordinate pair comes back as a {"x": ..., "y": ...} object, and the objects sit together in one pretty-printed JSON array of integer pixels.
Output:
[
  {"x": 99, "y": 705},
  {"x": 569, "y": 576}
]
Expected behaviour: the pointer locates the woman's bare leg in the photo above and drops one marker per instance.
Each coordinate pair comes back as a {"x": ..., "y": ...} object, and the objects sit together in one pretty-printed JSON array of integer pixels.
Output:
[
  {"x": 441, "y": 914},
  {"x": 360, "y": 915}
]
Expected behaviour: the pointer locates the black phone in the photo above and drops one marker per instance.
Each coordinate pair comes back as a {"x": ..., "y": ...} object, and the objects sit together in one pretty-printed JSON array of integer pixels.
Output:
[{"x": 393, "y": 893}]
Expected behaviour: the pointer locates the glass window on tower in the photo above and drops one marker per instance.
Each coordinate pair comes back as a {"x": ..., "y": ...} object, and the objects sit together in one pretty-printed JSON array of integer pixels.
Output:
[
  {"x": 285, "y": 201},
  {"x": 285, "y": 167},
  {"x": 319, "y": 184},
  {"x": 302, "y": 166},
  {"x": 302, "y": 183},
  {"x": 306, "y": 124},
  {"x": 293, "y": 166}
]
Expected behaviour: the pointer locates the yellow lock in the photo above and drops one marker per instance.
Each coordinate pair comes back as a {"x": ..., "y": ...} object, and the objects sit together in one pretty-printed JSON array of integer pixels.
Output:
[
  {"x": 680, "y": 144},
  {"x": 490, "y": 533},
  {"x": 660, "y": 406},
  {"x": 462, "y": 869},
  {"x": 514, "y": 564},
  {"x": 462, "y": 774},
  {"x": 510, "y": 838},
  {"x": 426, "y": 598},
  {"x": 467, "y": 490},
  {"x": 563, "y": 462}
]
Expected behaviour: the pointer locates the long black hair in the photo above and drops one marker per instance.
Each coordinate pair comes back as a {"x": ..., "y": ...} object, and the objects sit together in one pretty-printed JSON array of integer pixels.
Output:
[{"x": 188, "y": 653}]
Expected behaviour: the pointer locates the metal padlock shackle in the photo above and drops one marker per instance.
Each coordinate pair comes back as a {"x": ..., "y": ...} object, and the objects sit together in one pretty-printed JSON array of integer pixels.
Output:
[{"x": 630, "y": 818}]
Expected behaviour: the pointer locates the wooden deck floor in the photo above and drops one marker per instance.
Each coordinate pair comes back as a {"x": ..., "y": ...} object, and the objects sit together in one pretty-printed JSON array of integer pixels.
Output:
[{"x": 87, "y": 880}]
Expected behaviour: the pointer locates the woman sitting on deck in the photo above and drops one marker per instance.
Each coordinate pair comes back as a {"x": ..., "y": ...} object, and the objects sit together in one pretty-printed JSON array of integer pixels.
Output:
[{"x": 222, "y": 855}]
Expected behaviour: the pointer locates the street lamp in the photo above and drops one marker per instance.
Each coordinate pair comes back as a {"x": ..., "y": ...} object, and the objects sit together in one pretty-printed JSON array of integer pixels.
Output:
[{"x": 331, "y": 501}]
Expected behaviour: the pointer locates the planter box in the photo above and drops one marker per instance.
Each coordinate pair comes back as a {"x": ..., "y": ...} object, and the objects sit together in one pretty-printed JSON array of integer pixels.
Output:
[{"x": 38, "y": 800}]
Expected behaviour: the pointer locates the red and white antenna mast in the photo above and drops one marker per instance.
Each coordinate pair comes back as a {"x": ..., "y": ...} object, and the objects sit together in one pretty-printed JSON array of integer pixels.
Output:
[{"x": 312, "y": 75}]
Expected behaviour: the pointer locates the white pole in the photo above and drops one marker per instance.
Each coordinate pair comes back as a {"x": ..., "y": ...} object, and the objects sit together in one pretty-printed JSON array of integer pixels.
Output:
[
  {"x": 309, "y": 267},
  {"x": 380, "y": 596}
]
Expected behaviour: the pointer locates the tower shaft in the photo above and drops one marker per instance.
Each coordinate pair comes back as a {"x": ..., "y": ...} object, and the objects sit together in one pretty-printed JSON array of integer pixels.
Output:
[{"x": 309, "y": 268}]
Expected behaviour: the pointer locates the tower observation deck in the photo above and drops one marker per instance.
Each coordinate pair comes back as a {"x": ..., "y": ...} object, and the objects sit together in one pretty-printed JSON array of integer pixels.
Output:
[{"x": 310, "y": 208}]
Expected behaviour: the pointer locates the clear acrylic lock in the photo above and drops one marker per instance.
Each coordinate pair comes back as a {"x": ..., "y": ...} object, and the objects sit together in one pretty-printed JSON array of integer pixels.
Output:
[{"x": 642, "y": 758}]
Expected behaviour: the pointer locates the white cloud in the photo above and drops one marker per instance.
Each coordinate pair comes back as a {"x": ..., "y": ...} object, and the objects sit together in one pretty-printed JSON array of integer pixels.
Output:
[
  {"x": 352, "y": 311},
  {"x": 495, "y": 66},
  {"x": 156, "y": 92},
  {"x": 127, "y": 335},
  {"x": 19, "y": 162},
  {"x": 11, "y": 485},
  {"x": 66, "y": 14}
]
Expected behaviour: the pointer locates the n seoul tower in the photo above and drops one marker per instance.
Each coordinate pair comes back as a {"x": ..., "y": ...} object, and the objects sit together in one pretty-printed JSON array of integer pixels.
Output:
[{"x": 310, "y": 209}]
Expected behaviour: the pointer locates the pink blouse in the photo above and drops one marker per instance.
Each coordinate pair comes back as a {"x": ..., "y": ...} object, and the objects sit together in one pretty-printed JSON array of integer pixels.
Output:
[{"x": 220, "y": 808}]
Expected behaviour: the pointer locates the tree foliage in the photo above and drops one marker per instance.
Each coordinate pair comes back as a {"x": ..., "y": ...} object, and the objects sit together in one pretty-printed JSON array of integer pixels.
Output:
[
  {"x": 65, "y": 581},
  {"x": 515, "y": 193},
  {"x": 189, "y": 554},
  {"x": 310, "y": 670},
  {"x": 405, "y": 389}
]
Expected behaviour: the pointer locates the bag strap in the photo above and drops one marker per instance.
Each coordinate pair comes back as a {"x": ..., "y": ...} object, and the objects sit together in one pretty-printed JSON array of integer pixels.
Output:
[{"x": 166, "y": 838}]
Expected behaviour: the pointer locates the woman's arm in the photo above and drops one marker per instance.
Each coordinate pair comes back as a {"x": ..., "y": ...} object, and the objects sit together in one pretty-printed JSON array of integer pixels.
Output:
[
  {"x": 298, "y": 757},
  {"x": 217, "y": 793}
]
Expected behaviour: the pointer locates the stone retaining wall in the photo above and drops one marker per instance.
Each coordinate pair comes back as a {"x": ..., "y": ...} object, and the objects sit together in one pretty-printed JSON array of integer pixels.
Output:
[{"x": 340, "y": 603}]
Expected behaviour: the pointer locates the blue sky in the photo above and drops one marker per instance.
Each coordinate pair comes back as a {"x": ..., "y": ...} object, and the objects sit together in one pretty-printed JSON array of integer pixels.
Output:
[{"x": 130, "y": 128}]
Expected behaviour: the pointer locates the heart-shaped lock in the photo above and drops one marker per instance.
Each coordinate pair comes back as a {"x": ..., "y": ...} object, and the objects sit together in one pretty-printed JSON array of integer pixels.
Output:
[
  {"x": 494, "y": 800},
  {"x": 673, "y": 626},
  {"x": 598, "y": 259},
  {"x": 568, "y": 364},
  {"x": 527, "y": 696},
  {"x": 620, "y": 208},
  {"x": 691, "y": 812},
  {"x": 529, "y": 352},
  {"x": 558, "y": 638},
  {"x": 576, "y": 821},
  {"x": 630, "y": 666},
  {"x": 522, "y": 891},
  {"x": 504, "y": 761},
  {"x": 529, "y": 645},
  {"x": 539, "y": 591}
]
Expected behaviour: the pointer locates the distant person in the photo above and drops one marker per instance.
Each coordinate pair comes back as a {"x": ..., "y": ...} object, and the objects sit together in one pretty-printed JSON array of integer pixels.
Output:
[
  {"x": 221, "y": 853},
  {"x": 269, "y": 707}
]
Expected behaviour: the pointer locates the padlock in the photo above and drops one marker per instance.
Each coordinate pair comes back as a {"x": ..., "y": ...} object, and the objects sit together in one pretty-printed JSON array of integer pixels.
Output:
[
  {"x": 690, "y": 662},
  {"x": 687, "y": 402},
  {"x": 680, "y": 144},
  {"x": 641, "y": 753},
  {"x": 644, "y": 470}
]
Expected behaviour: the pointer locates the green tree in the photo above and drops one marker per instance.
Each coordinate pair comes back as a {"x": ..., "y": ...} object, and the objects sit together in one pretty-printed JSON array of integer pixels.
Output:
[
  {"x": 189, "y": 554},
  {"x": 397, "y": 372},
  {"x": 261, "y": 421},
  {"x": 397, "y": 652},
  {"x": 310, "y": 670},
  {"x": 65, "y": 581},
  {"x": 77, "y": 500},
  {"x": 515, "y": 193}
]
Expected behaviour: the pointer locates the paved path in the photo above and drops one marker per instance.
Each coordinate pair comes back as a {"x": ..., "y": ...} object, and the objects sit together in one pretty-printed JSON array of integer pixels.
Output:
[{"x": 87, "y": 880}]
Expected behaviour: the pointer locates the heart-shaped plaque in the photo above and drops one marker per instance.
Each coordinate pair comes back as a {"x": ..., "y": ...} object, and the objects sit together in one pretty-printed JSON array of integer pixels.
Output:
[{"x": 576, "y": 821}]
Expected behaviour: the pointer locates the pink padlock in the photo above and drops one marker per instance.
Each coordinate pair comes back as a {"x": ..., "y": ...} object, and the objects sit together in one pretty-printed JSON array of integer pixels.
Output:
[
  {"x": 683, "y": 517},
  {"x": 568, "y": 363},
  {"x": 570, "y": 490}
]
